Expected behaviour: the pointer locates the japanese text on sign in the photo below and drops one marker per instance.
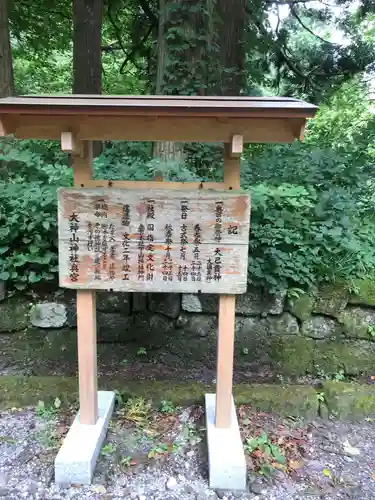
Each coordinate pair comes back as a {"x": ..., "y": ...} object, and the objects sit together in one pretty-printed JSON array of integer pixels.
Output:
[{"x": 156, "y": 241}]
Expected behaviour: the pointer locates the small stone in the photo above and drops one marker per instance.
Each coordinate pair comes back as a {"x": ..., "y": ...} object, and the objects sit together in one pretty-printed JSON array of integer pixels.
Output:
[
  {"x": 4, "y": 492},
  {"x": 171, "y": 484},
  {"x": 256, "y": 487},
  {"x": 48, "y": 315},
  {"x": 64, "y": 486},
  {"x": 211, "y": 495},
  {"x": 3, "y": 478},
  {"x": 185, "y": 415},
  {"x": 142, "y": 497},
  {"x": 100, "y": 488},
  {"x": 220, "y": 493},
  {"x": 32, "y": 488},
  {"x": 189, "y": 489},
  {"x": 190, "y": 453},
  {"x": 181, "y": 477},
  {"x": 191, "y": 303}
]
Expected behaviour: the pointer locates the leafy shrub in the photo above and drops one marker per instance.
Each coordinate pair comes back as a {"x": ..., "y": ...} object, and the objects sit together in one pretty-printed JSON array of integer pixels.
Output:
[
  {"x": 28, "y": 217},
  {"x": 27, "y": 233},
  {"x": 300, "y": 237}
]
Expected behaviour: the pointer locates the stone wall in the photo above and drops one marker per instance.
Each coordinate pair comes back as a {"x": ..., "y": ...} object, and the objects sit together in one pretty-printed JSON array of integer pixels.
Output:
[{"x": 324, "y": 332}]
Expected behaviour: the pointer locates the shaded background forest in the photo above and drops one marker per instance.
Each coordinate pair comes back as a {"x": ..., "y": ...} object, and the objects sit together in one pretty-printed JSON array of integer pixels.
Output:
[{"x": 312, "y": 215}]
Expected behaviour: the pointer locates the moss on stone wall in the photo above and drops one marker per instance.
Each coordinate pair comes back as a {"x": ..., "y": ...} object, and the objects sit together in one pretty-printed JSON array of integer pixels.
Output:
[
  {"x": 14, "y": 315},
  {"x": 355, "y": 358},
  {"x": 346, "y": 400},
  {"x": 289, "y": 400},
  {"x": 292, "y": 355},
  {"x": 363, "y": 292}
]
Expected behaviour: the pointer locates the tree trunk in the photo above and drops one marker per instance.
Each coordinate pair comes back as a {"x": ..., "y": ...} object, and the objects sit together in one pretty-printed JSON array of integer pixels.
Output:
[
  {"x": 231, "y": 30},
  {"x": 87, "y": 55},
  {"x": 165, "y": 151},
  {"x": 6, "y": 65},
  {"x": 87, "y": 63},
  {"x": 183, "y": 58}
]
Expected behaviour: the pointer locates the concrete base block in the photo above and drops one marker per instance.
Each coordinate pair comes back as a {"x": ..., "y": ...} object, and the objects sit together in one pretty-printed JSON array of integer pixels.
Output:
[
  {"x": 226, "y": 457},
  {"x": 76, "y": 459}
]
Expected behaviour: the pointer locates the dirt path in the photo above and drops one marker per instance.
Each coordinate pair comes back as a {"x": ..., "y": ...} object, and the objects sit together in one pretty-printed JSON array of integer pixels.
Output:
[{"x": 155, "y": 455}]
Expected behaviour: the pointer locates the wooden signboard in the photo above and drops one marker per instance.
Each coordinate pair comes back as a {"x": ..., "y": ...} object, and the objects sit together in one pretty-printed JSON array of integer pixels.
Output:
[{"x": 153, "y": 240}]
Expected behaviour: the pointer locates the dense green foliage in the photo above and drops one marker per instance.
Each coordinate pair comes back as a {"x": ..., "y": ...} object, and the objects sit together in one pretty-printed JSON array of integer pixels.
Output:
[{"x": 312, "y": 202}]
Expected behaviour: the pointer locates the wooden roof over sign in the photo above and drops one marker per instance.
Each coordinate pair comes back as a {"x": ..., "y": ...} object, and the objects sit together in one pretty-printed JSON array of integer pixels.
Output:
[{"x": 153, "y": 118}]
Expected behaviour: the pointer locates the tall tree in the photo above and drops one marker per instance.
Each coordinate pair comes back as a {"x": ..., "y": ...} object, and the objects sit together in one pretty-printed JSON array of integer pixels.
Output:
[
  {"x": 183, "y": 56},
  {"x": 87, "y": 53},
  {"x": 87, "y": 66},
  {"x": 6, "y": 65},
  {"x": 232, "y": 43}
]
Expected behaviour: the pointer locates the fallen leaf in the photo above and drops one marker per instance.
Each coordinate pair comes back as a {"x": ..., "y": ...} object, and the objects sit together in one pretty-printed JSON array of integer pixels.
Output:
[
  {"x": 373, "y": 477},
  {"x": 61, "y": 430},
  {"x": 349, "y": 449},
  {"x": 99, "y": 489},
  {"x": 296, "y": 464},
  {"x": 327, "y": 473}
]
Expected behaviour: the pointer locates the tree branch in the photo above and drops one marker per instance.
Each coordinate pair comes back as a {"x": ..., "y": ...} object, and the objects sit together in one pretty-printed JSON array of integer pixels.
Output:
[
  {"x": 148, "y": 11},
  {"x": 294, "y": 14},
  {"x": 58, "y": 13},
  {"x": 115, "y": 27},
  {"x": 133, "y": 50}
]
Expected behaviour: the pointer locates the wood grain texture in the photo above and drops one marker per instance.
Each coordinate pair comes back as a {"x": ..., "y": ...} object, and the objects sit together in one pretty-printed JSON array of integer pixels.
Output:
[
  {"x": 225, "y": 352},
  {"x": 227, "y": 311},
  {"x": 86, "y": 318},
  {"x": 87, "y": 355},
  {"x": 159, "y": 128},
  {"x": 155, "y": 240},
  {"x": 178, "y": 185}
]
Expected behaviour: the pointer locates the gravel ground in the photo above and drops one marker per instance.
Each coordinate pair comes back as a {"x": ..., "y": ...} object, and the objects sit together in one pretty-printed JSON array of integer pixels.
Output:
[{"x": 166, "y": 458}]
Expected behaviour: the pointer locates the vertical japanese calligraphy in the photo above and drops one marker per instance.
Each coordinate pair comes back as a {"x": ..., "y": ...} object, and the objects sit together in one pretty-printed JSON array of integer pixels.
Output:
[
  {"x": 126, "y": 269},
  {"x": 150, "y": 265},
  {"x": 101, "y": 208},
  {"x": 141, "y": 255},
  {"x": 90, "y": 241},
  {"x": 184, "y": 209},
  {"x": 97, "y": 249},
  {"x": 112, "y": 251},
  {"x": 167, "y": 266},
  {"x": 125, "y": 219},
  {"x": 219, "y": 221},
  {"x": 73, "y": 247},
  {"x": 104, "y": 245},
  {"x": 196, "y": 265},
  {"x": 153, "y": 240}
]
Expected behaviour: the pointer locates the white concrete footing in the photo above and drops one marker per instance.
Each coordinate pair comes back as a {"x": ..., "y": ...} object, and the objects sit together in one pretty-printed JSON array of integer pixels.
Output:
[
  {"x": 226, "y": 457},
  {"x": 76, "y": 459}
]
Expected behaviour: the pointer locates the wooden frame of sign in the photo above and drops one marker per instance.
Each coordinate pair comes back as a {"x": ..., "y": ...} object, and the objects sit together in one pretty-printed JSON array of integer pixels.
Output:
[{"x": 78, "y": 120}]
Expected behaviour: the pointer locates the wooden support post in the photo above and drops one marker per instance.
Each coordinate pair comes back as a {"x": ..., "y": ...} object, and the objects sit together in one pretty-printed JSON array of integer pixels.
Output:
[
  {"x": 237, "y": 146},
  {"x": 3, "y": 130},
  {"x": 86, "y": 316},
  {"x": 70, "y": 143},
  {"x": 87, "y": 362},
  {"x": 227, "y": 311}
]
